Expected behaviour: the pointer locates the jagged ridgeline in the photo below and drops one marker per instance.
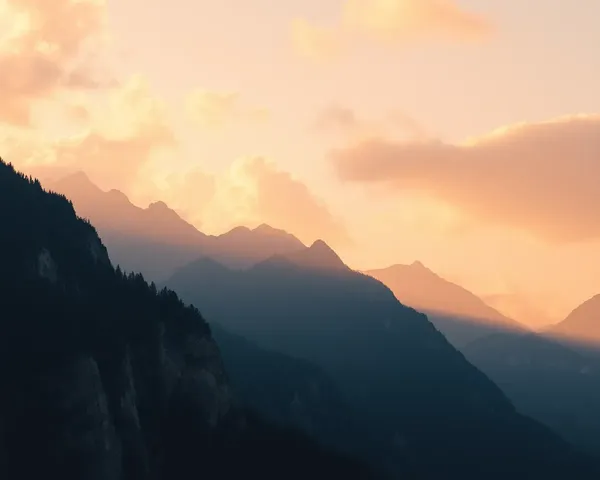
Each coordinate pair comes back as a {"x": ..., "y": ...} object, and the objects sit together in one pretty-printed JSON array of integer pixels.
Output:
[{"x": 104, "y": 377}]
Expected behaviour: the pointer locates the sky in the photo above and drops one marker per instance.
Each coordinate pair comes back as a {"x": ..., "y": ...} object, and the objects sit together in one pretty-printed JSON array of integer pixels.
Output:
[{"x": 464, "y": 134}]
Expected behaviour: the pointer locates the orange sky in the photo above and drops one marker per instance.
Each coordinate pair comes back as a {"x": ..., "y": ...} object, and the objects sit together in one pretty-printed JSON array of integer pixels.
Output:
[{"x": 464, "y": 134}]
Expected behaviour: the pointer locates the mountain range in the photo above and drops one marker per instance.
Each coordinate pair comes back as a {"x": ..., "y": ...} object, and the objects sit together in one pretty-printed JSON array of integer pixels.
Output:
[
  {"x": 383, "y": 372},
  {"x": 155, "y": 241},
  {"x": 423, "y": 402},
  {"x": 105, "y": 377}
]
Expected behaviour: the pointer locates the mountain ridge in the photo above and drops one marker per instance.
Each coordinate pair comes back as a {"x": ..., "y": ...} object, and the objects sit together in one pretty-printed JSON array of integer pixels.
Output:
[
  {"x": 582, "y": 324},
  {"x": 461, "y": 315},
  {"x": 418, "y": 394},
  {"x": 156, "y": 240}
]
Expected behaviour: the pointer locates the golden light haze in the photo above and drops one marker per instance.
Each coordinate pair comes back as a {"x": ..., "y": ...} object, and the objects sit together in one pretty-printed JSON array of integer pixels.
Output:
[{"x": 463, "y": 134}]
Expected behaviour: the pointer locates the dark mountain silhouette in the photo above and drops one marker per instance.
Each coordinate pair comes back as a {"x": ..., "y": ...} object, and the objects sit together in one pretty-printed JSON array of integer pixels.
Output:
[
  {"x": 459, "y": 314},
  {"x": 545, "y": 380},
  {"x": 425, "y": 405},
  {"x": 156, "y": 240},
  {"x": 106, "y": 378}
]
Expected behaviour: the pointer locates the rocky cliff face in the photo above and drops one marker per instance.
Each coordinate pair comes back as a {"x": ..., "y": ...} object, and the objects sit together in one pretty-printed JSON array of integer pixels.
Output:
[{"x": 103, "y": 413}]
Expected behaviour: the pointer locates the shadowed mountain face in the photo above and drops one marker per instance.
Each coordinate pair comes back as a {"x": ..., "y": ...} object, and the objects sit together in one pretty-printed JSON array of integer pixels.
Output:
[
  {"x": 106, "y": 378},
  {"x": 546, "y": 381},
  {"x": 459, "y": 314},
  {"x": 294, "y": 392},
  {"x": 156, "y": 240},
  {"x": 425, "y": 405}
]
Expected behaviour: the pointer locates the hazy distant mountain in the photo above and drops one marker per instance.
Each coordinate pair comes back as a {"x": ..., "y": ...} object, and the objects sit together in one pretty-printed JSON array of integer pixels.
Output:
[
  {"x": 242, "y": 247},
  {"x": 459, "y": 314},
  {"x": 156, "y": 240},
  {"x": 319, "y": 256},
  {"x": 582, "y": 324},
  {"x": 104, "y": 377},
  {"x": 423, "y": 402},
  {"x": 113, "y": 211},
  {"x": 546, "y": 381}
]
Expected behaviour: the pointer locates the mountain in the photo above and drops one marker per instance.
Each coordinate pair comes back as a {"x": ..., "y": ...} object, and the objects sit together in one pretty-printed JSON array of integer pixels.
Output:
[
  {"x": 242, "y": 247},
  {"x": 545, "y": 380},
  {"x": 106, "y": 378},
  {"x": 319, "y": 256},
  {"x": 425, "y": 405},
  {"x": 292, "y": 392},
  {"x": 459, "y": 314},
  {"x": 582, "y": 326},
  {"x": 156, "y": 240},
  {"x": 112, "y": 211}
]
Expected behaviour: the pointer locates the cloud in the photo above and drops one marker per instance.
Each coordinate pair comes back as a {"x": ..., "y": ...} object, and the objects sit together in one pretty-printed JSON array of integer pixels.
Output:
[
  {"x": 317, "y": 43},
  {"x": 188, "y": 193},
  {"x": 540, "y": 177},
  {"x": 214, "y": 110},
  {"x": 44, "y": 50},
  {"x": 254, "y": 190},
  {"x": 337, "y": 118},
  {"x": 389, "y": 22},
  {"x": 126, "y": 133},
  {"x": 407, "y": 20}
]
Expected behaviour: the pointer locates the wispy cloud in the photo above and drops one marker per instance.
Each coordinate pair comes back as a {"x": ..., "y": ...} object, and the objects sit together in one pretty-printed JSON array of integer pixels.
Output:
[
  {"x": 214, "y": 110},
  {"x": 347, "y": 123},
  {"x": 388, "y": 22}
]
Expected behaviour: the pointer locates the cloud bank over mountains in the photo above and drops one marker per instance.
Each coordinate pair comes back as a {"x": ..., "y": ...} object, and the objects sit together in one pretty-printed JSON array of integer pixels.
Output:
[{"x": 540, "y": 177}]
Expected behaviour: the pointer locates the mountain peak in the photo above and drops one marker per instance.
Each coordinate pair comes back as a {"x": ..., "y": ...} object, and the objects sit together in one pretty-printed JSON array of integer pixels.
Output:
[
  {"x": 321, "y": 247},
  {"x": 79, "y": 177},
  {"x": 239, "y": 230},
  {"x": 320, "y": 256},
  {"x": 159, "y": 206},
  {"x": 418, "y": 265},
  {"x": 74, "y": 183},
  {"x": 118, "y": 194},
  {"x": 419, "y": 287},
  {"x": 265, "y": 229},
  {"x": 583, "y": 323}
]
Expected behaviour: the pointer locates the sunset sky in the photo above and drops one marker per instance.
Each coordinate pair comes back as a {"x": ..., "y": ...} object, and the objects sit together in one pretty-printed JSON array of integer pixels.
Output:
[{"x": 464, "y": 134}]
